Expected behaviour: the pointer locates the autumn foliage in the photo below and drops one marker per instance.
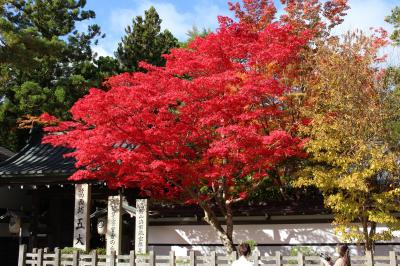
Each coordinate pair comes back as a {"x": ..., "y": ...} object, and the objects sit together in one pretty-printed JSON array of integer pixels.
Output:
[
  {"x": 207, "y": 128},
  {"x": 353, "y": 153}
]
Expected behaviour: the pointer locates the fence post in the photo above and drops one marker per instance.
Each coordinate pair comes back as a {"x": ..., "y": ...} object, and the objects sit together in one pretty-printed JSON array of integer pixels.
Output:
[
  {"x": 171, "y": 258},
  {"x": 392, "y": 257},
  {"x": 192, "y": 258},
  {"x": 300, "y": 259},
  {"x": 46, "y": 250},
  {"x": 57, "y": 257},
  {"x": 40, "y": 257},
  {"x": 278, "y": 258},
  {"x": 112, "y": 258},
  {"x": 75, "y": 258},
  {"x": 368, "y": 256},
  {"x": 152, "y": 258},
  {"x": 22, "y": 255},
  {"x": 213, "y": 261},
  {"x": 94, "y": 258},
  {"x": 132, "y": 258},
  {"x": 256, "y": 257},
  {"x": 233, "y": 257}
]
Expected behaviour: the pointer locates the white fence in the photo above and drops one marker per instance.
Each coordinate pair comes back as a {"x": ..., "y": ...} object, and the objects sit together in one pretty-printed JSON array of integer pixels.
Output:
[{"x": 41, "y": 258}]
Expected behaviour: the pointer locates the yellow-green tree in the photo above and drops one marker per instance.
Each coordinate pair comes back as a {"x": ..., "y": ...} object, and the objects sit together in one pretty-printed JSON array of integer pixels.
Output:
[{"x": 353, "y": 153}]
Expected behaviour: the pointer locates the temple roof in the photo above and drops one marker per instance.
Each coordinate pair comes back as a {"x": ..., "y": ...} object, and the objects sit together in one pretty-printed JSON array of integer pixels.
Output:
[
  {"x": 37, "y": 163},
  {"x": 5, "y": 154}
]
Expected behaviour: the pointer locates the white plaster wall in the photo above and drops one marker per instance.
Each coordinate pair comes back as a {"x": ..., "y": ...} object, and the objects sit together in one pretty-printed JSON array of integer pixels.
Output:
[
  {"x": 283, "y": 235},
  {"x": 262, "y": 234}
]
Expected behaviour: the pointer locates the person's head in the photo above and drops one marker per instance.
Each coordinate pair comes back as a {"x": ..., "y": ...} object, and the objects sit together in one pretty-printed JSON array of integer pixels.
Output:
[
  {"x": 244, "y": 249},
  {"x": 344, "y": 251}
]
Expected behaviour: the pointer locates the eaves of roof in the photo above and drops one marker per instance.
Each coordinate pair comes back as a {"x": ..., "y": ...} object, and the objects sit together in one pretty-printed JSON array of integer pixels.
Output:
[{"x": 37, "y": 163}]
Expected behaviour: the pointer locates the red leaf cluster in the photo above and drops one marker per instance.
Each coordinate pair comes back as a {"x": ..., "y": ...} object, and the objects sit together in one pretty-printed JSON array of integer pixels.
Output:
[{"x": 215, "y": 111}]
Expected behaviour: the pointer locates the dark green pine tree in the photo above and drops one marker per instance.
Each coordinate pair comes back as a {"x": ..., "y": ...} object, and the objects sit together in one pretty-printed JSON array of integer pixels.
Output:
[
  {"x": 193, "y": 34},
  {"x": 391, "y": 79},
  {"x": 45, "y": 63},
  {"x": 394, "y": 19},
  {"x": 144, "y": 41}
]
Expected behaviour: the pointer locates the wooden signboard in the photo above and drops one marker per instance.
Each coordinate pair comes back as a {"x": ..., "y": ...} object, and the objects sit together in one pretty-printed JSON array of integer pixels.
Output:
[
  {"x": 141, "y": 233},
  {"x": 114, "y": 225},
  {"x": 81, "y": 216}
]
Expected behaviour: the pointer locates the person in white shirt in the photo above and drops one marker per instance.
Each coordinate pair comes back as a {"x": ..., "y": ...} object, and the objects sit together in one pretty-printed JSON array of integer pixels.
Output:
[
  {"x": 244, "y": 251},
  {"x": 344, "y": 257}
]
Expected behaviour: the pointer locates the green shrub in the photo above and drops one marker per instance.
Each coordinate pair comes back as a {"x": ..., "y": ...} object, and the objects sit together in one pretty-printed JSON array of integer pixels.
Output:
[
  {"x": 101, "y": 251},
  {"x": 182, "y": 262},
  {"x": 252, "y": 244},
  {"x": 306, "y": 251},
  {"x": 70, "y": 250}
]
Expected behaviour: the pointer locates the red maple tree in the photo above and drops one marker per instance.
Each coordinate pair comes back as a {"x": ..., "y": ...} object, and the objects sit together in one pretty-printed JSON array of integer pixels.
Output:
[{"x": 205, "y": 129}]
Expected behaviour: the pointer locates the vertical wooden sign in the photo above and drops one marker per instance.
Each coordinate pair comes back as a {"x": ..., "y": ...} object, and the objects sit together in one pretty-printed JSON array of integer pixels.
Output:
[
  {"x": 141, "y": 226},
  {"x": 81, "y": 216},
  {"x": 114, "y": 225}
]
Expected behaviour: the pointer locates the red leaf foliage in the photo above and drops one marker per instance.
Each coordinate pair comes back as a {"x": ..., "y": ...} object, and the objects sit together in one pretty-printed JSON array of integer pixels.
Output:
[{"x": 214, "y": 111}]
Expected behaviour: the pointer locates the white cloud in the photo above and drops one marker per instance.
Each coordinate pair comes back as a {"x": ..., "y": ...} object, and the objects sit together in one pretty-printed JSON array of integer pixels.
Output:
[
  {"x": 100, "y": 51},
  {"x": 364, "y": 14},
  {"x": 120, "y": 18},
  {"x": 367, "y": 14},
  {"x": 206, "y": 15},
  {"x": 171, "y": 20},
  {"x": 203, "y": 15}
]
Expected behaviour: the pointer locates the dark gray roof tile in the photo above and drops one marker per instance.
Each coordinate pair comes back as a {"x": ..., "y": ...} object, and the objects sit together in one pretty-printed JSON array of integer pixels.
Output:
[{"x": 37, "y": 160}]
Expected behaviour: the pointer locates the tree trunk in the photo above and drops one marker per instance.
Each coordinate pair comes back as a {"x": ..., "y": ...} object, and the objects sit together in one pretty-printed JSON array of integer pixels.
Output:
[
  {"x": 372, "y": 232},
  {"x": 223, "y": 235},
  {"x": 210, "y": 217},
  {"x": 229, "y": 220},
  {"x": 368, "y": 246}
]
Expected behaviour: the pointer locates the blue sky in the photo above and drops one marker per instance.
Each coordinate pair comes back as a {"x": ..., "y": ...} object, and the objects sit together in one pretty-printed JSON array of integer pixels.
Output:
[{"x": 179, "y": 16}]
